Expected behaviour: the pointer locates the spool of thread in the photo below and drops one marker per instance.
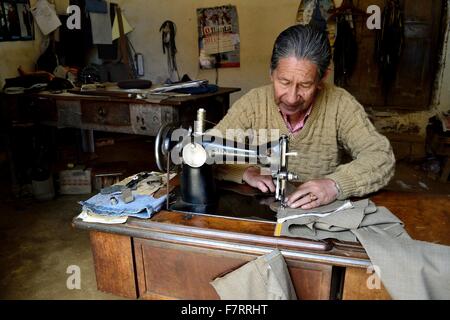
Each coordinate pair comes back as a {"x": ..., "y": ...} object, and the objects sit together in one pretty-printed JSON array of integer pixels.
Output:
[{"x": 200, "y": 123}]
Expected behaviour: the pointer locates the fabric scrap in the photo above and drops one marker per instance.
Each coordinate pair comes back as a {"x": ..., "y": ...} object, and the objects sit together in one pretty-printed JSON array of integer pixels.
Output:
[{"x": 265, "y": 278}]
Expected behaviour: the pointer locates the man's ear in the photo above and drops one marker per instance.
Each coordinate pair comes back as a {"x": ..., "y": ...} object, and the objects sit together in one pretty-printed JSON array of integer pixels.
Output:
[{"x": 324, "y": 77}]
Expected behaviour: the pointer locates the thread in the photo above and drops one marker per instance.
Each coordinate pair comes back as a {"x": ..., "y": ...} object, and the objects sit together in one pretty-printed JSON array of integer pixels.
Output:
[{"x": 200, "y": 123}]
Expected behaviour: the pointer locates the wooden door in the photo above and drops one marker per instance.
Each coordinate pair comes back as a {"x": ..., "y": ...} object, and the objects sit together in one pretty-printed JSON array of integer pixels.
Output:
[{"x": 418, "y": 63}]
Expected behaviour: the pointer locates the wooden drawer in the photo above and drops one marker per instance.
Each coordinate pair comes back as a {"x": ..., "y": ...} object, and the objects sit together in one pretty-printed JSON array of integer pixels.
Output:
[
  {"x": 45, "y": 109},
  {"x": 105, "y": 113},
  {"x": 176, "y": 271},
  {"x": 148, "y": 118}
]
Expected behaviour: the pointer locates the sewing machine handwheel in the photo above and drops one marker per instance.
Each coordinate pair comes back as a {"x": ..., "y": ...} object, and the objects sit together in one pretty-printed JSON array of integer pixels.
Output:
[{"x": 163, "y": 146}]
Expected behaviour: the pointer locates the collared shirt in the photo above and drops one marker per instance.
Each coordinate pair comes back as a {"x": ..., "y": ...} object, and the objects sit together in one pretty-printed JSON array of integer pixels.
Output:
[{"x": 300, "y": 124}]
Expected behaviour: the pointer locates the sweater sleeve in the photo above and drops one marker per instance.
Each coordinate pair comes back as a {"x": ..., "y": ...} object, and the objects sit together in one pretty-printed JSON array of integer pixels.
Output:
[
  {"x": 373, "y": 162},
  {"x": 240, "y": 117}
]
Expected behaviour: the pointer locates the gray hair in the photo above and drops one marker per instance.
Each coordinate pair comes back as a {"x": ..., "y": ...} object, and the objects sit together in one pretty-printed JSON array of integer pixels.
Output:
[{"x": 302, "y": 42}]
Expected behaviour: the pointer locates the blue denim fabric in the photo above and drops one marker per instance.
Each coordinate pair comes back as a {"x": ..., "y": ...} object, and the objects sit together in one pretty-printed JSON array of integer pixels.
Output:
[{"x": 142, "y": 207}]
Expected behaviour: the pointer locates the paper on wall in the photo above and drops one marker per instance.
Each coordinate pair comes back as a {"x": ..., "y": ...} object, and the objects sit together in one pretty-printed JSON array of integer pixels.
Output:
[
  {"x": 61, "y": 7},
  {"x": 45, "y": 16},
  {"x": 101, "y": 27},
  {"x": 235, "y": 38},
  {"x": 115, "y": 29},
  {"x": 221, "y": 42}
]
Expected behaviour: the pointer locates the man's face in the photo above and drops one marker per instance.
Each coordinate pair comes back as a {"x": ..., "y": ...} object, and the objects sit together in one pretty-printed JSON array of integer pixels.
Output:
[{"x": 295, "y": 84}]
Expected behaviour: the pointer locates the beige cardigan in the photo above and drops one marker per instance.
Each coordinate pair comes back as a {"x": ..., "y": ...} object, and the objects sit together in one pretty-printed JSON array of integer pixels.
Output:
[{"x": 337, "y": 122}]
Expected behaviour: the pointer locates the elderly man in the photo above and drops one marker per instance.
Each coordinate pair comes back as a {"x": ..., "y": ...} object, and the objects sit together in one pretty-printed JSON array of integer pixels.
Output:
[{"x": 321, "y": 121}]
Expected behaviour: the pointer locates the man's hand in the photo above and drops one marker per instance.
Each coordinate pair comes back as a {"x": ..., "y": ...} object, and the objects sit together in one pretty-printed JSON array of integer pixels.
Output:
[
  {"x": 252, "y": 175},
  {"x": 313, "y": 193}
]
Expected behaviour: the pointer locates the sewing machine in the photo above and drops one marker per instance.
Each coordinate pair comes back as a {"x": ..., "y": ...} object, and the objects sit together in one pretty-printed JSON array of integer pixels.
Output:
[{"x": 197, "y": 150}]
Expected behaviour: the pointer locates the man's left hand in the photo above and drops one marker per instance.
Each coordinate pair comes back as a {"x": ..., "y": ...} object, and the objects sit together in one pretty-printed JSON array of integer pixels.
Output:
[{"x": 312, "y": 194}]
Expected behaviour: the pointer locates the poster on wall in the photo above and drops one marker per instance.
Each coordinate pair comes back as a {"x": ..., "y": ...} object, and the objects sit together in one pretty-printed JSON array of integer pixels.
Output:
[
  {"x": 16, "y": 22},
  {"x": 218, "y": 37}
]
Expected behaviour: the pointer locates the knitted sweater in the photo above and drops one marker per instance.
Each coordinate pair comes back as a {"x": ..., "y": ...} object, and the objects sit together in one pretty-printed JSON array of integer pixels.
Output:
[{"x": 337, "y": 122}]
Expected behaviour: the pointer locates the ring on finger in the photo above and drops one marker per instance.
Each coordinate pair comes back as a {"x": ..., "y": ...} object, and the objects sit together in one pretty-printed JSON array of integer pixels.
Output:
[{"x": 312, "y": 197}]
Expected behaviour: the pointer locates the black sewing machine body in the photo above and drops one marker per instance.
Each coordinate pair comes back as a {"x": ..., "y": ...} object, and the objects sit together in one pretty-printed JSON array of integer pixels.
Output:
[
  {"x": 198, "y": 186},
  {"x": 196, "y": 152}
]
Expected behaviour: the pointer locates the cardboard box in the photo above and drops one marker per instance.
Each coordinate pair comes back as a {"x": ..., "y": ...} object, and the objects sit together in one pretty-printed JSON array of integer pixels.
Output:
[
  {"x": 75, "y": 181},
  {"x": 106, "y": 174}
]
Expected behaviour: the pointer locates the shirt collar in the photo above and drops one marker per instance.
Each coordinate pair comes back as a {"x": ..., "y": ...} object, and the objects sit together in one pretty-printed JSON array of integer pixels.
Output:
[{"x": 300, "y": 124}]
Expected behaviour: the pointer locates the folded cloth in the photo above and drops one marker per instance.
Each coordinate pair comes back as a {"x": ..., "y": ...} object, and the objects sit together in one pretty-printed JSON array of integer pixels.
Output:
[
  {"x": 409, "y": 269},
  {"x": 88, "y": 216},
  {"x": 143, "y": 206},
  {"x": 149, "y": 185},
  {"x": 265, "y": 278},
  {"x": 338, "y": 224},
  {"x": 288, "y": 213}
]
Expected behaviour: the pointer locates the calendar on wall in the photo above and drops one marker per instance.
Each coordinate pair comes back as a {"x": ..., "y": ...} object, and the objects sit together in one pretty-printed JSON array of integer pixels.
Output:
[{"x": 218, "y": 32}]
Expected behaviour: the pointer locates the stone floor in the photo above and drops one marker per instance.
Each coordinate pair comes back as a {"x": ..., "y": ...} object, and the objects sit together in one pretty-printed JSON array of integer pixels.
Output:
[{"x": 38, "y": 243}]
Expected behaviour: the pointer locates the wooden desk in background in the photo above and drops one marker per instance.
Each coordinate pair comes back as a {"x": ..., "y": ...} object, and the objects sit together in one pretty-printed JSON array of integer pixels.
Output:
[
  {"x": 175, "y": 255},
  {"x": 125, "y": 115},
  {"x": 102, "y": 113}
]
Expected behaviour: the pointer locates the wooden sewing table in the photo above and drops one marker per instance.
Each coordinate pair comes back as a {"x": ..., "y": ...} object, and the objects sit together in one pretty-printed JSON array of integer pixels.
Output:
[{"x": 175, "y": 255}]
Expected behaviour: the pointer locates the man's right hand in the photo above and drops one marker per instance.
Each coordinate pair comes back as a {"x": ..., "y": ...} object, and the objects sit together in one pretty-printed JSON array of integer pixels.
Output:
[{"x": 252, "y": 175}]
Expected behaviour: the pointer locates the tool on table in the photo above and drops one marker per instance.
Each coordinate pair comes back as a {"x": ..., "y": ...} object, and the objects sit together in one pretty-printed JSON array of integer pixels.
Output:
[
  {"x": 112, "y": 189},
  {"x": 154, "y": 179},
  {"x": 136, "y": 179},
  {"x": 127, "y": 195}
]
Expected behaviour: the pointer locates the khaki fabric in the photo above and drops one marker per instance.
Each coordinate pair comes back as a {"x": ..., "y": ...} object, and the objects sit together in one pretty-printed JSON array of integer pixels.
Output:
[
  {"x": 409, "y": 269},
  {"x": 288, "y": 212},
  {"x": 339, "y": 225},
  {"x": 265, "y": 278}
]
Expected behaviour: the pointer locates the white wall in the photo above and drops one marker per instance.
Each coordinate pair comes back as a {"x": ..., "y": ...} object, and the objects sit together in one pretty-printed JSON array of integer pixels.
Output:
[{"x": 259, "y": 24}]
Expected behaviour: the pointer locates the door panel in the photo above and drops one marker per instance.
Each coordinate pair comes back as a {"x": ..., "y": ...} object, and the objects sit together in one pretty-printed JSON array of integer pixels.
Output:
[
  {"x": 418, "y": 63},
  {"x": 177, "y": 271}
]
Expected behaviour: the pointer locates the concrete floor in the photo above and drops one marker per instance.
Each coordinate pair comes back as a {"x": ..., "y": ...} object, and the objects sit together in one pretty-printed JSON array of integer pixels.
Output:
[
  {"x": 38, "y": 243},
  {"x": 38, "y": 246}
]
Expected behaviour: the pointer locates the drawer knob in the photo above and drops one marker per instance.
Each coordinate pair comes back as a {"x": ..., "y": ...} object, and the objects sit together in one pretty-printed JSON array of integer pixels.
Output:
[{"x": 101, "y": 112}]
